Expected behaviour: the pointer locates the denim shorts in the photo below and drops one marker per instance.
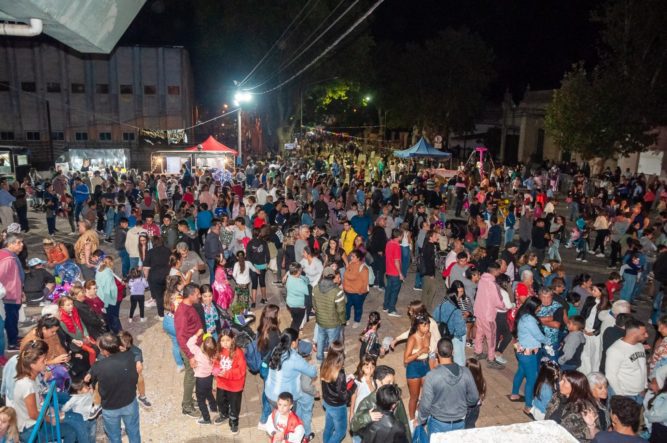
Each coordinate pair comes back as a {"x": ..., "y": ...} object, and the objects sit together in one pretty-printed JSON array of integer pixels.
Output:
[{"x": 417, "y": 369}]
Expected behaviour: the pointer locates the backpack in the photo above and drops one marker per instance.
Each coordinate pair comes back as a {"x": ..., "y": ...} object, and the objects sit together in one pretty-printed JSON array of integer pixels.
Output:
[
  {"x": 371, "y": 275},
  {"x": 253, "y": 357},
  {"x": 443, "y": 327}
]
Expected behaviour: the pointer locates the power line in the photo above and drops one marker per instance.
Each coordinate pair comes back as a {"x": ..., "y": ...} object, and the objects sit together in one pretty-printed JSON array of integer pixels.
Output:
[
  {"x": 308, "y": 39},
  {"x": 283, "y": 35},
  {"x": 327, "y": 50},
  {"x": 213, "y": 119}
]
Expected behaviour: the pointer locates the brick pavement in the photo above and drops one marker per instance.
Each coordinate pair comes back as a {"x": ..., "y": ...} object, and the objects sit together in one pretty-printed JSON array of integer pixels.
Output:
[{"x": 164, "y": 422}]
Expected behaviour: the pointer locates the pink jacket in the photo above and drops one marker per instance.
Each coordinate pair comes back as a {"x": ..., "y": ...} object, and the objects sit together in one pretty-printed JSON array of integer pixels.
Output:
[
  {"x": 488, "y": 299},
  {"x": 10, "y": 274},
  {"x": 204, "y": 364}
]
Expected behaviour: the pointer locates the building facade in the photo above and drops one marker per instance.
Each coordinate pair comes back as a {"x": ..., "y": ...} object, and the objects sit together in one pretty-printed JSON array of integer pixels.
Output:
[{"x": 53, "y": 98}]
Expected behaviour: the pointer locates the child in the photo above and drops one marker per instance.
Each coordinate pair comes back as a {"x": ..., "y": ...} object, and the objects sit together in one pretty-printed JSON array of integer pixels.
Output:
[
  {"x": 138, "y": 286},
  {"x": 370, "y": 341},
  {"x": 241, "y": 274},
  {"x": 128, "y": 345},
  {"x": 9, "y": 432},
  {"x": 466, "y": 307},
  {"x": 574, "y": 300},
  {"x": 630, "y": 272},
  {"x": 71, "y": 324},
  {"x": 573, "y": 345},
  {"x": 222, "y": 290},
  {"x": 230, "y": 372},
  {"x": 473, "y": 412},
  {"x": 363, "y": 379},
  {"x": 77, "y": 411},
  {"x": 204, "y": 356},
  {"x": 283, "y": 424},
  {"x": 334, "y": 393},
  {"x": 545, "y": 387},
  {"x": 613, "y": 285}
]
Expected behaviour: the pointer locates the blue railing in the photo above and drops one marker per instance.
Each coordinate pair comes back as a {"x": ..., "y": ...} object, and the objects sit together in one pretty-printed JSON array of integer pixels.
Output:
[{"x": 43, "y": 430}]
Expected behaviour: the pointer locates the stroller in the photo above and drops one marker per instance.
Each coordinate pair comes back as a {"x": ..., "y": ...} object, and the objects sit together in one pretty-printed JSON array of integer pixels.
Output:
[{"x": 240, "y": 324}]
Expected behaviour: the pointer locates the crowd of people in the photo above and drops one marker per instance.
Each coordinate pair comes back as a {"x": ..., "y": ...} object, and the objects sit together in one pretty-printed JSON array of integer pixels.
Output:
[{"x": 484, "y": 248}]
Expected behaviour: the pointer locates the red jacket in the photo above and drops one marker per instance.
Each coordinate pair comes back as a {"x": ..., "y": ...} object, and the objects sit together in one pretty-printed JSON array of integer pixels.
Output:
[
  {"x": 293, "y": 421},
  {"x": 613, "y": 288},
  {"x": 231, "y": 379}
]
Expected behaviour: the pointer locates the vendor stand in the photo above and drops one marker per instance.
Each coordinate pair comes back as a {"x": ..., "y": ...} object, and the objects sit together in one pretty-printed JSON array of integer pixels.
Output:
[{"x": 210, "y": 154}]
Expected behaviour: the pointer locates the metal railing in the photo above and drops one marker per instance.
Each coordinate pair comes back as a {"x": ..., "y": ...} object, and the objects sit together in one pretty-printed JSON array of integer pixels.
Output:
[{"x": 41, "y": 432}]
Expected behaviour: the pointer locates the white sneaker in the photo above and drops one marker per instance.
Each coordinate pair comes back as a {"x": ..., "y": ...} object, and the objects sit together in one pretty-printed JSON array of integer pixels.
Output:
[
  {"x": 584, "y": 261},
  {"x": 601, "y": 255},
  {"x": 143, "y": 320},
  {"x": 500, "y": 359},
  {"x": 129, "y": 319},
  {"x": 355, "y": 325},
  {"x": 577, "y": 259}
]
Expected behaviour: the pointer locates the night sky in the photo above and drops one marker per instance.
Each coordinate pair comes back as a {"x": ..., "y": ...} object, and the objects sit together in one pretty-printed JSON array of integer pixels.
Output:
[{"x": 534, "y": 42}]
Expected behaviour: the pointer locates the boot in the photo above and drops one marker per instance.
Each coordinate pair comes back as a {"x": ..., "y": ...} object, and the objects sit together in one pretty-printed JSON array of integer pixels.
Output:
[{"x": 234, "y": 425}]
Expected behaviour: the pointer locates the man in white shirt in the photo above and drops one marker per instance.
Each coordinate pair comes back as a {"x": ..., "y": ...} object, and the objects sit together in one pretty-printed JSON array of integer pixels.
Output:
[
  {"x": 261, "y": 195},
  {"x": 625, "y": 365}
]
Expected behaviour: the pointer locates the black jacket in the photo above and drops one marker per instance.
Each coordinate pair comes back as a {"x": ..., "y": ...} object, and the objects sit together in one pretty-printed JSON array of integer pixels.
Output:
[
  {"x": 335, "y": 393},
  {"x": 378, "y": 240},
  {"x": 94, "y": 323},
  {"x": 258, "y": 252},
  {"x": 428, "y": 259},
  {"x": 386, "y": 430}
]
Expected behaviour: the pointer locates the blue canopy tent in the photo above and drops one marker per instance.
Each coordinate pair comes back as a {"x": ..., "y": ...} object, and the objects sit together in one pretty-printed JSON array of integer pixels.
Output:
[{"x": 421, "y": 149}]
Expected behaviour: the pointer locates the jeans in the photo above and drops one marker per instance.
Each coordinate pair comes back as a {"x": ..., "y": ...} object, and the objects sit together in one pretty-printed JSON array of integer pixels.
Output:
[
  {"x": 355, "y": 301},
  {"x": 78, "y": 207},
  {"x": 335, "y": 423},
  {"x": 188, "y": 384},
  {"x": 574, "y": 211},
  {"x": 134, "y": 262},
  {"x": 211, "y": 270},
  {"x": 125, "y": 262},
  {"x": 405, "y": 259},
  {"x": 391, "y": 293},
  {"x": 435, "y": 426},
  {"x": 266, "y": 407},
  {"x": 509, "y": 235},
  {"x": 627, "y": 292},
  {"x": 51, "y": 225},
  {"x": 378, "y": 269},
  {"x": 108, "y": 228},
  {"x": 85, "y": 429},
  {"x": 459, "y": 347},
  {"x": 325, "y": 336},
  {"x": 304, "y": 410},
  {"x": 528, "y": 368},
  {"x": 170, "y": 329},
  {"x": 12, "y": 323},
  {"x": 113, "y": 319},
  {"x": 553, "y": 253},
  {"x": 130, "y": 416},
  {"x": 419, "y": 280},
  {"x": 2, "y": 336}
]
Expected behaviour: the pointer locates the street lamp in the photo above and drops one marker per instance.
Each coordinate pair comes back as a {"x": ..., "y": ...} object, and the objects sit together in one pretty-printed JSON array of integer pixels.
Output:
[{"x": 239, "y": 98}]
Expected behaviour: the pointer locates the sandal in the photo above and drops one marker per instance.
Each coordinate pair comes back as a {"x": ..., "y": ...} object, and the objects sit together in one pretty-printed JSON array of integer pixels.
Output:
[{"x": 519, "y": 398}]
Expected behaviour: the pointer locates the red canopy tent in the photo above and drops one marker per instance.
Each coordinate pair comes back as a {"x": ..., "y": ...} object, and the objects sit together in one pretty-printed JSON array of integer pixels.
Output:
[{"x": 212, "y": 145}]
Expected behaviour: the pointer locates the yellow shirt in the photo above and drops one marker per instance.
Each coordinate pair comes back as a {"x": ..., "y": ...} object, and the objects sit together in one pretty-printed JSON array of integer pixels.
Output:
[{"x": 347, "y": 240}]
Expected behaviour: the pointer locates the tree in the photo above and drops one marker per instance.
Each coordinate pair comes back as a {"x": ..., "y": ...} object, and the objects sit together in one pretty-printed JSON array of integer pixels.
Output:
[
  {"x": 614, "y": 107},
  {"x": 439, "y": 85}
]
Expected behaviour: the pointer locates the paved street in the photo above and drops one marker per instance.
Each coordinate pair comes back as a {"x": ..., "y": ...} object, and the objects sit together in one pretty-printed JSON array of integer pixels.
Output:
[{"x": 164, "y": 422}]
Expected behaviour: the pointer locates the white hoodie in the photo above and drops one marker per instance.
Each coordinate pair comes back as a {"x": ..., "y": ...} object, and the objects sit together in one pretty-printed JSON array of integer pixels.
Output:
[{"x": 625, "y": 368}]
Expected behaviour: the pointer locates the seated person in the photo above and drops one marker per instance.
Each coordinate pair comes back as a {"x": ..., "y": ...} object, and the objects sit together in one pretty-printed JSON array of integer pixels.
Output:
[{"x": 38, "y": 283}]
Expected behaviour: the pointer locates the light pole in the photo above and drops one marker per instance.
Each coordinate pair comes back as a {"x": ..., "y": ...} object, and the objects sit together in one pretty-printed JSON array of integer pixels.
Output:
[{"x": 239, "y": 98}]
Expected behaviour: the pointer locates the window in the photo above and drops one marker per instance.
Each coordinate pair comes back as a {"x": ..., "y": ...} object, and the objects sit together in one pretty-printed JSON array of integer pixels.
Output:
[
  {"x": 102, "y": 88},
  {"x": 78, "y": 88},
  {"x": 150, "y": 90},
  {"x": 4, "y": 85},
  {"x": 58, "y": 135},
  {"x": 174, "y": 90},
  {"x": 81, "y": 136},
  {"x": 32, "y": 135},
  {"x": 105, "y": 136},
  {"x": 52, "y": 87},
  {"x": 126, "y": 89},
  {"x": 128, "y": 136},
  {"x": 28, "y": 86},
  {"x": 6, "y": 135}
]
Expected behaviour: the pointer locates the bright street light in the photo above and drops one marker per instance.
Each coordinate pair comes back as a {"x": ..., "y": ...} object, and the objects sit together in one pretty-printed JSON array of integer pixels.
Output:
[
  {"x": 367, "y": 98},
  {"x": 242, "y": 97}
]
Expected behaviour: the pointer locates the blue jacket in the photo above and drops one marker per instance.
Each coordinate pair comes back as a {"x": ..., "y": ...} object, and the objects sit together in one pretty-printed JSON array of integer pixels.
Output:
[
  {"x": 297, "y": 291},
  {"x": 450, "y": 313},
  {"x": 81, "y": 193},
  {"x": 287, "y": 378},
  {"x": 529, "y": 333}
]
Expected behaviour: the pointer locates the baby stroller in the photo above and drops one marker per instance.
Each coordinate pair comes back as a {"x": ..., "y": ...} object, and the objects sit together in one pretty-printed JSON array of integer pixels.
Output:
[{"x": 239, "y": 323}]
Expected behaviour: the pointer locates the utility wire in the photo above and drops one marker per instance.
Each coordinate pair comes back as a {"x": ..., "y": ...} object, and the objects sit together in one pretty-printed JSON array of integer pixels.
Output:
[
  {"x": 213, "y": 119},
  {"x": 282, "y": 36},
  {"x": 326, "y": 51},
  {"x": 310, "y": 45}
]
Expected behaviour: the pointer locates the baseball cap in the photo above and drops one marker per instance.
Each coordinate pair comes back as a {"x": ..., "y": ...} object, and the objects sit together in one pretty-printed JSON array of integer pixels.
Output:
[
  {"x": 304, "y": 347},
  {"x": 35, "y": 261},
  {"x": 328, "y": 272}
]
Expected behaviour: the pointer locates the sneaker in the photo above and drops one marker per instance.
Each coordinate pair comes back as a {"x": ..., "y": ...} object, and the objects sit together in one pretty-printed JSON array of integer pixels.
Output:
[
  {"x": 129, "y": 320},
  {"x": 495, "y": 365},
  {"x": 500, "y": 359},
  {"x": 221, "y": 419},
  {"x": 13, "y": 347},
  {"x": 381, "y": 290},
  {"x": 394, "y": 314},
  {"x": 601, "y": 255},
  {"x": 416, "y": 289},
  {"x": 191, "y": 412},
  {"x": 355, "y": 325},
  {"x": 263, "y": 301},
  {"x": 143, "y": 319},
  {"x": 583, "y": 260},
  {"x": 578, "y": 259},
  {"x": 95, "y": 412},
  {"x": 310, "y": 437},
  {"x": 385, "y": 310},
  {"x": 234, "y": 426},
  {"x": 72, "y": 234},
  {"x": 202, "y": 421},
  {"x": 144, "y": 401},
  {"x": 481, "y": 356}
]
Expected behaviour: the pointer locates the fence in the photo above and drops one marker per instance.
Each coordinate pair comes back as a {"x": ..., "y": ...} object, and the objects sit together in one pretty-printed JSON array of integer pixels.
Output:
[{"x": 43, "y": 430}]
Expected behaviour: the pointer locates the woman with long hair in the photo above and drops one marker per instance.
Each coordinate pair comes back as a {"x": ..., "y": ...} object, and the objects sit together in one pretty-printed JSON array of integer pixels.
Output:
[
  {"x": 268, "y": 337},
  {"x": 334, "y": 394},
  {"x": 530, "y": 339},
  {"x": 573, "y": 407},
  {"x": 173, "y": 295},
  {"x": 107, "y": 291},
  {"x": 416, "y": 359},
  {"x": 47, "y": 329},
  {"x": 84, "y": 247},
  {"x": 258, "y": 254}
]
